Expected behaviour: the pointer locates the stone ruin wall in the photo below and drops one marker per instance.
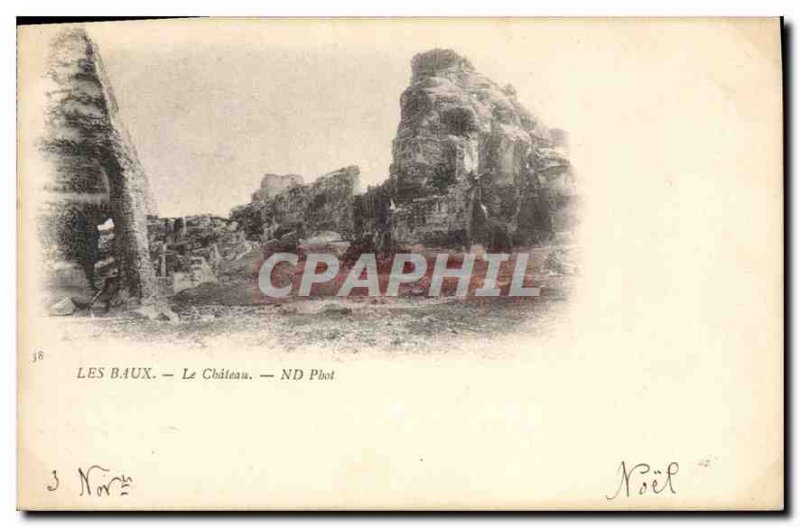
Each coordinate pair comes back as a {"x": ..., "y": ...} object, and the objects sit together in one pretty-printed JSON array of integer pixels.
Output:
[
  {"x": 274, "y": 184},
  {"x": 331, "y": 202},
  {"x": 325, "y": 205}
]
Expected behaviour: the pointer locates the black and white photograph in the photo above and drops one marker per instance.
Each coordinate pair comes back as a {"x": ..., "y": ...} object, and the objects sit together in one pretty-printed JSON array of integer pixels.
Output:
[{"x": 401, "y": 264}]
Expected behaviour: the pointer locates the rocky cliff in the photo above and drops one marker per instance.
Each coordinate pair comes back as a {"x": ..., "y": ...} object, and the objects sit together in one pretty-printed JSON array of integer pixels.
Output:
[
  {"x": 96, "y": 171},
  {"x": 470, "y": 164}
]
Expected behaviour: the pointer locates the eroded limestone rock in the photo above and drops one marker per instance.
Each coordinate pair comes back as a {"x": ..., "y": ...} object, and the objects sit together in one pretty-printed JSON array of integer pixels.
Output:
[
  {"x": 470, "y": 164},
  {"x": 96, "y": 174}
]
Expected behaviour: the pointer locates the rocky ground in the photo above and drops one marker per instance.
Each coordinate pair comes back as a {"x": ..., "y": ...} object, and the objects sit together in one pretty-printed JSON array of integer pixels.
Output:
[
  {"x": 341, "y": 326},
  {"x": 233, "y": 311}
]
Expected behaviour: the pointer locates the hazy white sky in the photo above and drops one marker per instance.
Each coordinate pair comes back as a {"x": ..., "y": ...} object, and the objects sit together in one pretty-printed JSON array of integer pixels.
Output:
[{"x": 213, "y": 104}]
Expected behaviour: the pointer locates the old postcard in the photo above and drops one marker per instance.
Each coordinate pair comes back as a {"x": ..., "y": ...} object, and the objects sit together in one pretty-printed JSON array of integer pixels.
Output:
[{"x": 400, "y": 264}]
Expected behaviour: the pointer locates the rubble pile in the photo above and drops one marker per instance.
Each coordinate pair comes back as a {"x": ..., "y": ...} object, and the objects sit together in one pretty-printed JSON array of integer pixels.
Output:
[{"x": 186, "y": 252}]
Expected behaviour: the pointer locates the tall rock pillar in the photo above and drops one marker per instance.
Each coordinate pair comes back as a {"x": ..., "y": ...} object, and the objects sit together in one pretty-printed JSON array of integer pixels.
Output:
[{"x": 97, "y": 171}]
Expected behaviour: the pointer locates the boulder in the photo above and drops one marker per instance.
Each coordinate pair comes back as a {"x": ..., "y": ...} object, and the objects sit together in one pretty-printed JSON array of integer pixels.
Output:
[
  {"x": 336, "y": 309},
  {"x": 63, "y": 307},
  {"x": 156, "y": 311},
  {"x": 289, "y": 241}
]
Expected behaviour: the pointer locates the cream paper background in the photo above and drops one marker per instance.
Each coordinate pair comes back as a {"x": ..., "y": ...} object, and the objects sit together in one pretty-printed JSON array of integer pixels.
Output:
[{"x": 671, "y": 349}]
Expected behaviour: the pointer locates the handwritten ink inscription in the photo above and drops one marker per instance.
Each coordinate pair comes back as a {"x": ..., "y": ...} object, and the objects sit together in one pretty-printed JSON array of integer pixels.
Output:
[
  {"x": 54, "y": 486},
  {"x": 642, "y": 479},
  {"x": 99, "y": 481}
]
